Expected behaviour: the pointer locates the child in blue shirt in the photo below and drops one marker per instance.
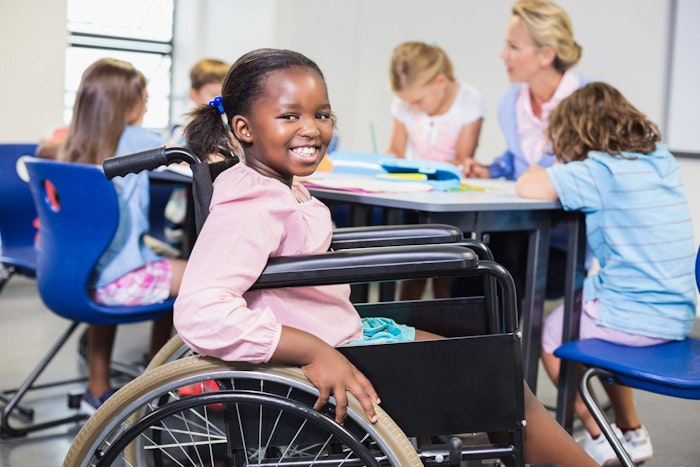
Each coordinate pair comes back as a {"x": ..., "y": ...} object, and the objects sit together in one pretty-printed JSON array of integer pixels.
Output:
[
  {"x": 109, "y": 108},
  {"x": 612, "y": 167}
]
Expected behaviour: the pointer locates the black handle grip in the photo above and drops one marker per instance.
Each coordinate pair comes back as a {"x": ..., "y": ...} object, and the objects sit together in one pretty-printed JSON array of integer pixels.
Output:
[{"x": 135, "y": 163}]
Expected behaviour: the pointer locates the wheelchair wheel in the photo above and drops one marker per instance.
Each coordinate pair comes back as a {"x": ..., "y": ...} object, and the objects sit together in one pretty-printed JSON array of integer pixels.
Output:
[
  {"x": 174, "y": 349},
  {"x": 202, "y": 411}
]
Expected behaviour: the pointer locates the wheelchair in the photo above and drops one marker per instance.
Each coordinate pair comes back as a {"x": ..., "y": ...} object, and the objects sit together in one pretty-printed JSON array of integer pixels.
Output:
[{"x": 198, "y": 410}]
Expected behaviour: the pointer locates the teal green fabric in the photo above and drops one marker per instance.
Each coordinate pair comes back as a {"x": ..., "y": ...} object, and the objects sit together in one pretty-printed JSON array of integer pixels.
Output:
[{"x": 384, "y": 331}]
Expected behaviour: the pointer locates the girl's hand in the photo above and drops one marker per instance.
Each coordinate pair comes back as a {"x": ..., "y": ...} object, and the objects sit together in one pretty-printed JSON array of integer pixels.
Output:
[
  {"x": 328, "y": 370},
  {"x": 333, "y": 374}
]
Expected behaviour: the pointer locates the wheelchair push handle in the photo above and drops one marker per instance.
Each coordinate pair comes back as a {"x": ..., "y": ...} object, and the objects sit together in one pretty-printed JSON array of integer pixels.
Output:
[{"x": 147, "y": 160}]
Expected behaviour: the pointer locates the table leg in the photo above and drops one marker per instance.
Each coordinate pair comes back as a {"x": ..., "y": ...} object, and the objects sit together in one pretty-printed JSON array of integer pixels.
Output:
[
  {"x": 533, "y": 302},
  {"x": 573, "y": 292}
]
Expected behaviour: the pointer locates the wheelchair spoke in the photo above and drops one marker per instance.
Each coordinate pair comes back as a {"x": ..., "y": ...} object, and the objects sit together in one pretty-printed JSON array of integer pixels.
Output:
[{"x": 249, "y": 418}]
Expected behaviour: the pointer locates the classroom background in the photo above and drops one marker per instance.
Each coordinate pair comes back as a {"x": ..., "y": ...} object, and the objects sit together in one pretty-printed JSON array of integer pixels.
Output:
[{"x": 628, "y": 43}]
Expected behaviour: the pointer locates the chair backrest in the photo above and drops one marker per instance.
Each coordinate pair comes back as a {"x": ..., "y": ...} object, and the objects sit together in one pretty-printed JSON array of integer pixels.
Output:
[
  {"x": 78, "y": 214},
  {"x": 697, "y": 269},
  {"x": 203, "y": 175},
  {"x": 17, "y": 211}
]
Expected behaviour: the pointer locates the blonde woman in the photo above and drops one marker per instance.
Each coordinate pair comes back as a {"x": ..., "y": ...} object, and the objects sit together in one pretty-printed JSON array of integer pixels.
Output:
[{"x": 539, "y": 54}]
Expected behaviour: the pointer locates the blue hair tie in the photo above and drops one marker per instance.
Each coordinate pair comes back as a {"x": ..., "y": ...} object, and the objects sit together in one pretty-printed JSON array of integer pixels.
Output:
[{"x": 217, "y": 102}]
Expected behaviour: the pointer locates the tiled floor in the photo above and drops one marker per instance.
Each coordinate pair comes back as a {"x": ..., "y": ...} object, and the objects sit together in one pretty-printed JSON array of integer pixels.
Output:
[{"x": 27, "y": 329}]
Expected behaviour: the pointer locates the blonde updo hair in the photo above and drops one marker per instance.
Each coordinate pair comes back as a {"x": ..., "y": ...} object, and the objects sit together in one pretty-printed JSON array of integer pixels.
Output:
[
  {"x": 549, "y": 25},
  {"x": 418, "y": 63}
]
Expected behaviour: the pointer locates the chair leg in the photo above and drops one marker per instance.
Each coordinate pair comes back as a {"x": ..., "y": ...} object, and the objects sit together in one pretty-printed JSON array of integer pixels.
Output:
[
  {"x": 599, "y": 416},
  {"x": 5, "y": 275},
  {"x": 6, "y": 430}
]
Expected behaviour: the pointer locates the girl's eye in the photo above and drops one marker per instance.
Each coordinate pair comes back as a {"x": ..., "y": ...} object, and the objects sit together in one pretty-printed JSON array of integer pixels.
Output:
[
  {"x": 289, "y": 117},
  {"x": 324, "y": 116}
]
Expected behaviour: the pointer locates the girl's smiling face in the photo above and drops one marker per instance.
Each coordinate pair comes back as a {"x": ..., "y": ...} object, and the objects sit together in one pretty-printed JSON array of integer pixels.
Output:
[{"x": 289, "y": 128}]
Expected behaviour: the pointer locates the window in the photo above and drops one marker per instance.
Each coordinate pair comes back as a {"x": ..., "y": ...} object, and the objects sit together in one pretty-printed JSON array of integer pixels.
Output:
[{"x": 137, "y": 31}]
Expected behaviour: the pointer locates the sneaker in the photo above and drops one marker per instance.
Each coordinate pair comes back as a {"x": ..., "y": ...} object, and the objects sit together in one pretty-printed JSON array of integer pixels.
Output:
[
  {"x": 638, "y": 444},
  {"x": 90, "y": 403},
  {"x": 600, "y": 449}
]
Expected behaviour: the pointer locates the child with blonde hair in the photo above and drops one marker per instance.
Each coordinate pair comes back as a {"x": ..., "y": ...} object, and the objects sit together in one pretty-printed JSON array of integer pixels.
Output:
[{"x": 436, "y": 118}]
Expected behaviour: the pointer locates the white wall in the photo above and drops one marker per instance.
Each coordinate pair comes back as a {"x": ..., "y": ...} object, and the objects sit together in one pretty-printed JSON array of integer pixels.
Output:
[
  {"x": 683, "y": 119},
  {"x": 214, "y": 29},
  {"x": 33, "y": 37},
  {"x": 625, "y": 42}
]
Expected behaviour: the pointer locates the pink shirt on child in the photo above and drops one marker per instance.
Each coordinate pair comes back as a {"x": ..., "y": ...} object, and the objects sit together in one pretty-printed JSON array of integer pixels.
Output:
[{"x": 253, "y": 218}]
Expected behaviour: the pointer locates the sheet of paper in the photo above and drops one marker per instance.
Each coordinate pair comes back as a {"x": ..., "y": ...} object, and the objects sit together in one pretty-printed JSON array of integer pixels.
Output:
[{"x": 362, "y": 184}]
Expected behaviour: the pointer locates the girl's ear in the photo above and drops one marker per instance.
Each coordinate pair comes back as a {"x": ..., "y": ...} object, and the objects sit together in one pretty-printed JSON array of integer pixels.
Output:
[
  {"x": 241, "y": 129},
  {"x": 440, "y": 79}
]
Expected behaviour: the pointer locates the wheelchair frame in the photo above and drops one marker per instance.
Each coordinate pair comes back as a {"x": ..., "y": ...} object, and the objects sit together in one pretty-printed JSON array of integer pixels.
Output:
[{"x": 482, "y": 338}]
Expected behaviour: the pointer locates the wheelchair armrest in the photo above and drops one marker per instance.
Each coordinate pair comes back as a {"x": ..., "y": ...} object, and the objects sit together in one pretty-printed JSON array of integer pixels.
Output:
[
  {"x": 395, "y": 235},
  {"x": 479, "y": 247},
  {"x": 146, "y": 160},
  {"x": 366, "y": 265}
]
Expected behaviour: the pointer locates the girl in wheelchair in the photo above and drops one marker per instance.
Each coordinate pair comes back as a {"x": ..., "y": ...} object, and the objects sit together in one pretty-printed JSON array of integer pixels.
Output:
[{"x": 277, "y": 109}]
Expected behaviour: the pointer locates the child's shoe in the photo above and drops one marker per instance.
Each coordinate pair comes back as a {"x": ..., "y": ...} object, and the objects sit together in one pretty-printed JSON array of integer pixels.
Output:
[
  {"x": 600, "y": 449},
  {"x": 90, "y": 403},
  {"x": 638, "y": 444}
]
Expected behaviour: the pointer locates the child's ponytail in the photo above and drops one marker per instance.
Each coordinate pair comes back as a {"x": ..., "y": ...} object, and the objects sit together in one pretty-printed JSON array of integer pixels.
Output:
[{"x": 207, "y": 133}]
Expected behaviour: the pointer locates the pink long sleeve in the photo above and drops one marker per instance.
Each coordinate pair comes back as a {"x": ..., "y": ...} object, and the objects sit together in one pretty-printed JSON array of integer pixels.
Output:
[{"x": 252, "y": 218}]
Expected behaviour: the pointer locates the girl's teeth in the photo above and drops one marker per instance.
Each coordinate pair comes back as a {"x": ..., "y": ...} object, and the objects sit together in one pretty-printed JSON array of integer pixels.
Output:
[{"x": 304, "y": 151}]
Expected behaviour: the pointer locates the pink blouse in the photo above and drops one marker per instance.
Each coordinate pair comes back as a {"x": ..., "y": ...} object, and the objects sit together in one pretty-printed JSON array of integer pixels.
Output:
[
  {"x": 532, "y": 129},
  {"x": 253, "y": 218}
]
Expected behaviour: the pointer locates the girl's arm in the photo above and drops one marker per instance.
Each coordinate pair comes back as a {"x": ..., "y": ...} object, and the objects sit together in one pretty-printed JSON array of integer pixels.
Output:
[
  {"x": 213, "y": 317},
  {"x": 467, "y": 142},
  {"x": 535, "y": 183},
  {"x": 328, "y": 370},
  {"x": 399, "y": 138}
]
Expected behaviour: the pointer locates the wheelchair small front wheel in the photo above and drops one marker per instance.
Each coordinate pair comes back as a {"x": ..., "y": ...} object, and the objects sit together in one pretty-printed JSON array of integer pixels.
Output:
[{"x": 202, "y": 411}]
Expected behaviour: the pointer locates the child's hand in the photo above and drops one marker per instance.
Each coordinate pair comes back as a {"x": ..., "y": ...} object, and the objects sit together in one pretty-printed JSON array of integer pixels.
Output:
[
  {"x": 328, "y": 370},
  {"x": 333, "y": 374}
]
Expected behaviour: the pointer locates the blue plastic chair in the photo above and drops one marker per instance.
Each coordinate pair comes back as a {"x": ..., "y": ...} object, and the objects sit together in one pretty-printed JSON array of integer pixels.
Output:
[
  {"x": 17, "y": 214},
  {"x": 76, "y": 226},
  {"x": 671, "y": 369}
]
